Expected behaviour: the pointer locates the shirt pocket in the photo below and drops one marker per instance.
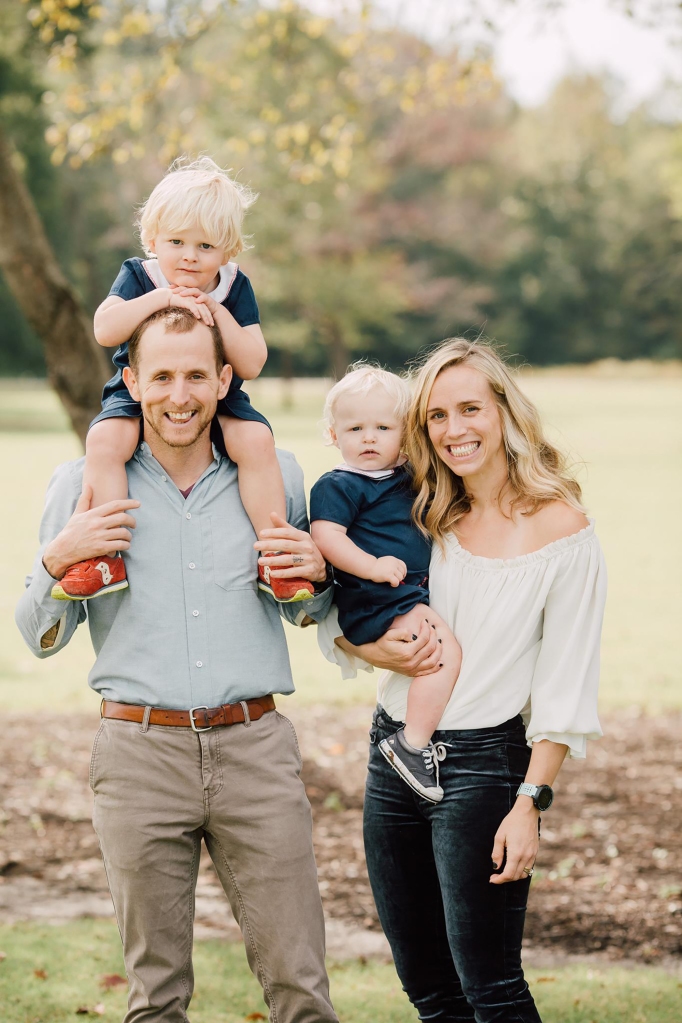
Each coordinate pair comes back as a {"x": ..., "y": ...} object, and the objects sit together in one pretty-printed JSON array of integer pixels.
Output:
[{"x": 230, "y": 549}]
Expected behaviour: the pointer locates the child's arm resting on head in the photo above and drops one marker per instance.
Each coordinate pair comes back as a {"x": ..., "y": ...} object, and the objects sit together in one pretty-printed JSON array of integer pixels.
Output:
[
  {"x": 341, "y": 552},
  {"x": 245, "y": 347},
  {"x": 117, "y": 318}
]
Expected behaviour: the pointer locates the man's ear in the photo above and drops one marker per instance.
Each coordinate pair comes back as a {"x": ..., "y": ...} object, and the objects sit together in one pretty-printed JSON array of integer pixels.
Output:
[
  {"x": 225, "y": 377},
  {"x": 131, "y": 383}
]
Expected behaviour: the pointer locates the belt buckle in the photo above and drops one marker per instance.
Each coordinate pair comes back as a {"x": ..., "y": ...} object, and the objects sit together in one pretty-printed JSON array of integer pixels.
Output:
[{"x": 192, "y": 722}]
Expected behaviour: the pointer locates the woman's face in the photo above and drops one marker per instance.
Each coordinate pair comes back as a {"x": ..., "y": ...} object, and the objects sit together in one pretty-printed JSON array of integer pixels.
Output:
[{"x": 464, "y": 422}]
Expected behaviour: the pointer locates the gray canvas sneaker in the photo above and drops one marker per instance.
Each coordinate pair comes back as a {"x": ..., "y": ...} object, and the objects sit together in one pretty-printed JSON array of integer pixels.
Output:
[{"x": 417, "y": 767}]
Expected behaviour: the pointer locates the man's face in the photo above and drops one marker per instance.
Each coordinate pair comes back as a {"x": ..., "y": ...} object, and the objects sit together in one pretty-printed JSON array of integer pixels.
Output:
[{"x": 177, "y": 383}]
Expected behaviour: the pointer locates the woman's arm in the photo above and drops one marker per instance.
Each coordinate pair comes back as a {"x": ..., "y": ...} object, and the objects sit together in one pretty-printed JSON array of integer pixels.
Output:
[
  {"x": 341, "y": 552},
  {"x": 397, "y": 650},
  {"x": 518, "y": 834}
]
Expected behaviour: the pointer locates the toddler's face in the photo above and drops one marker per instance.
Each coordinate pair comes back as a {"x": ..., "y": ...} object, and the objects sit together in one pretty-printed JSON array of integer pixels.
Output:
[
  {"x": 367, "y": 430},
  {"x": 188, "y": 259}
]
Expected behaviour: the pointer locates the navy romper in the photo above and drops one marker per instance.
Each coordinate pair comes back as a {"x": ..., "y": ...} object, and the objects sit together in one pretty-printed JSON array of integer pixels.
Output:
[
  {"x": 376, "y": 511},
  {"x": 139, "y": 277}
]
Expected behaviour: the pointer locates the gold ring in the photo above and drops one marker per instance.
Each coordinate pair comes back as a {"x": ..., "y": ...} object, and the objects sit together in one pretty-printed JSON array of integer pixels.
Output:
[{"x": 528, "y": 871}]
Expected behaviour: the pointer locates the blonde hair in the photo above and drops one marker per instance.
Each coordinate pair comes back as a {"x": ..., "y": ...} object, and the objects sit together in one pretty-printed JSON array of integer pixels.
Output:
[
  {"x": 537, "y": 470},
  {"x": 197, "y": 193},
  {"x": 361, "y": 377}
]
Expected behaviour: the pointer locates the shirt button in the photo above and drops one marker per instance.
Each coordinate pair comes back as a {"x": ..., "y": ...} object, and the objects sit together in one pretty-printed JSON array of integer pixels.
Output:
[
  {"x": 191, "y": 565},
  {"x": 200, "y": 664},
  {"x": 164, "y": 478},
  {"x": 195, "y": 613},
  {"x": 188, "y": 515}
]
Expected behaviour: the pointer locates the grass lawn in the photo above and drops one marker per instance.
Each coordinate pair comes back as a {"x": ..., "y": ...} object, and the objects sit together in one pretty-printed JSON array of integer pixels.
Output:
[
  {"x": 51, "y": 972},
  {"x": 624, "y": 430}
]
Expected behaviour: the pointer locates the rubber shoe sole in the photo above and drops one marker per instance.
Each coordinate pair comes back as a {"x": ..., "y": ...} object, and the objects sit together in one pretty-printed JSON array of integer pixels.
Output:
[
  {"x": 433, "y": 796},
  {"x": 302, "y": 594},
  {"x": 58, "y": 593}
]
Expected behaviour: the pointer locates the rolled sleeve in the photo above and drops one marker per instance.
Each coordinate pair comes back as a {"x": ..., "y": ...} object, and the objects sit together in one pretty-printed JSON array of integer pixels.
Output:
[
  {"x": 37, "y": 611},
  {"x": 566, "y": 677}
]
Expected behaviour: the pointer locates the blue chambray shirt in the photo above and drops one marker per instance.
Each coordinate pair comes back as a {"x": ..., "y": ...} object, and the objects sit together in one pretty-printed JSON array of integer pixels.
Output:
[{"x": 192, "y": 628}]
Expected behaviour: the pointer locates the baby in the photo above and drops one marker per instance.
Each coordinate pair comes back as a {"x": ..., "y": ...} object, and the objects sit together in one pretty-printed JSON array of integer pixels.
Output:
[
  {"x": 190, "y": 229},
  {"x": 362, "y": 522}
]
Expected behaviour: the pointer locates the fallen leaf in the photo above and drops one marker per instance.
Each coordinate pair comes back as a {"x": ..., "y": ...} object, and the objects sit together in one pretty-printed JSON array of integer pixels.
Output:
[
  {"x": 40, "y": 974},
  {"x": 3, "y": 955},
  {"x": 110, "y": 980},
  {"x": 544, "y": 980},
  {"x": 96, "y": 1010},
  {"x": 255, "y": 1015}
]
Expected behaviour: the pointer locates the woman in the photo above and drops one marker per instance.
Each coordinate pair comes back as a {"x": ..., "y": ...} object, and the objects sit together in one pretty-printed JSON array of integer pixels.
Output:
[{"x": 518, "y": 575}]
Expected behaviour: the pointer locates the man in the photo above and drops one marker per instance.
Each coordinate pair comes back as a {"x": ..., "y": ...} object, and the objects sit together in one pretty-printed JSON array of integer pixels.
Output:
[{"x": 188, "y": 658}]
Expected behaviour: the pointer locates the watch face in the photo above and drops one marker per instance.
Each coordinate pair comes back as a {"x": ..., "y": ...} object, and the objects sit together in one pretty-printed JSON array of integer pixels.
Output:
[{"x": 544, "y": 797}]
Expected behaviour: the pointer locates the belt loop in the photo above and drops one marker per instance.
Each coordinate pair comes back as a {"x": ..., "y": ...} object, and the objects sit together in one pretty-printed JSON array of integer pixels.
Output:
[
  {"x": 144, "y": 727},
  {"x": 247, "y": 716}
]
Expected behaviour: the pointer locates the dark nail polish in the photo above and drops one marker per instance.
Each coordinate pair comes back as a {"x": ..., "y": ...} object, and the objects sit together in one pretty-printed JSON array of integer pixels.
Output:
[
  {"x": 494, "y": 865},
  {"x": 440, "y": 640},
  {"x": 440, "y": 665},
  {"x": 433, "y": 626},
  {"x": 413, "y": 636}
]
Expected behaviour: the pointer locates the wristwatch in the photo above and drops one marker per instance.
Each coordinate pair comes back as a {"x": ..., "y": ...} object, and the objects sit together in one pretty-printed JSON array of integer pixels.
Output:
[
  {"x": 325, "y": 583},
  {"x": 542, "y": 795}
]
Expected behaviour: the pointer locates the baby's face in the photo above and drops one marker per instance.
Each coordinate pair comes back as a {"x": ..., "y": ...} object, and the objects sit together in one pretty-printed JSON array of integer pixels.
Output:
[
  {"x": 367, "y": 430},
  {"x": 188, "y": 259}
]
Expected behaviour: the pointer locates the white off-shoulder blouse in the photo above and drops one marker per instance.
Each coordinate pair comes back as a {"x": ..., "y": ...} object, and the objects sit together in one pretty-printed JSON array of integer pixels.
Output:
[{"x": 529, "y": 628}]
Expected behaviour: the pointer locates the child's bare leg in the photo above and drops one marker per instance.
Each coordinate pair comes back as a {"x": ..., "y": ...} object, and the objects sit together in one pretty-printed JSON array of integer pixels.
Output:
[
  {"x": 428, "y": 695},
  {"x": 108, "y": 446},
  {"x": 261, "y": 487}
]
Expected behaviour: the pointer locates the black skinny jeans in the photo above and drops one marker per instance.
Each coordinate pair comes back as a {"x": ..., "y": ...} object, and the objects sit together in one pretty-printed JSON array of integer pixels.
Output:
[{"x": 455, "y": 937}]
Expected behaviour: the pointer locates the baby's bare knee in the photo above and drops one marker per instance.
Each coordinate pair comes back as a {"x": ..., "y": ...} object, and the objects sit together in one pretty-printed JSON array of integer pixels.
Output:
[
  {"x": 248, "y": 442},
  {"x": 113, "y": 439}
]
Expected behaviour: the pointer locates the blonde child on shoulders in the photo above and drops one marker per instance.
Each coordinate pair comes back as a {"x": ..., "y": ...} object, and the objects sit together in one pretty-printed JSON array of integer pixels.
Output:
[
  {"x": 191, "y": 230},
  {"x": 361, "y": 515}
]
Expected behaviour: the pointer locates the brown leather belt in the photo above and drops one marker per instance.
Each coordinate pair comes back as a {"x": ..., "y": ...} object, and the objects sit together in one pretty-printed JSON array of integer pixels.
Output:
[{"x": 199, "y": 719}]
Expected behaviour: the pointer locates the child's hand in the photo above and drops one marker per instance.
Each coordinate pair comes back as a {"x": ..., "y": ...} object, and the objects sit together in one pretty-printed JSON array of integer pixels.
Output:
[
  {"x": 200, "y": 297},
  {"x": 389, "y": 570}
]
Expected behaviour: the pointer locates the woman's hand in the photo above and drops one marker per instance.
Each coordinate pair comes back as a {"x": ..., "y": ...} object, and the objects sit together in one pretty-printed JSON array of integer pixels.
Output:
[
  {"x": 399, "y": 650},
  {"x": 297, "y": 554},
  {"x": 518, "y": 836}
]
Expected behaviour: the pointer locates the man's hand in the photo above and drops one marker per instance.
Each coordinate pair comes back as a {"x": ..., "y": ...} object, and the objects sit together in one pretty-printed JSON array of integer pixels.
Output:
[
  {"x": 517, "y": 836},
  {"x": 399, "y": 650},
  {"x": 198, "y": 302},
  {"x": 389, "y": 570},
  {"x": 90, "y": 532},
  {"x": 299, "y": 556}
]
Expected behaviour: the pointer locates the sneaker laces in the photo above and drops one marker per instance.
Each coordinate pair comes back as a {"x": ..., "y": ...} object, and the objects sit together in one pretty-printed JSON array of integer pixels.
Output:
[{"x": 433, "y": 754}]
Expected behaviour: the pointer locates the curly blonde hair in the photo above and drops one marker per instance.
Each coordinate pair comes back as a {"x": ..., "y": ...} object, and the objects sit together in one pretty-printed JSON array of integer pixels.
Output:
[{"x": 537, "y": 470}]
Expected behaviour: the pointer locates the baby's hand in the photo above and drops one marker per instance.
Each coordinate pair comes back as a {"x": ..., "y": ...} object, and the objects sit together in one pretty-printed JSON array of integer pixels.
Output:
[
  {"x": 199, "y": 304},
  {"x": 389, "y": 570}
]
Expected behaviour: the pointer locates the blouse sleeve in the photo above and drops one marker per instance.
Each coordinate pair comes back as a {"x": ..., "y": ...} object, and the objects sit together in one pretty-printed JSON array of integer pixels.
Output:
[{"x": 566, "y": 678}]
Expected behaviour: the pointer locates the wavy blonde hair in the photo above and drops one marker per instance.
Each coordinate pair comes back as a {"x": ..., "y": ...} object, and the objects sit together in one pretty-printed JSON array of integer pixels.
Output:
[
  {"x": 197, "y": 193},
  {"x": 537, "y": 470}
]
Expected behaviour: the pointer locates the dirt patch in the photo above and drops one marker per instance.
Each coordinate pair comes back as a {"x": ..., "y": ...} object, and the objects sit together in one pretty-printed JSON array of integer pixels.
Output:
[{"x": 608, "y": 878}]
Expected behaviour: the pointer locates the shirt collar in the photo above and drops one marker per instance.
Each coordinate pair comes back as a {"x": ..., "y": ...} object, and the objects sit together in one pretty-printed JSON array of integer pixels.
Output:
[
  {"x": 145, "y": 457},
  {"x": 374, "y": 474},
  {"x": 226, "y": 276}
]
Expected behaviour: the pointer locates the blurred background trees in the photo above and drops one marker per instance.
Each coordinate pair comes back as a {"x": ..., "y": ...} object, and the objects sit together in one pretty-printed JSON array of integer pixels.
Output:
[{"x": 403, "y": 196}]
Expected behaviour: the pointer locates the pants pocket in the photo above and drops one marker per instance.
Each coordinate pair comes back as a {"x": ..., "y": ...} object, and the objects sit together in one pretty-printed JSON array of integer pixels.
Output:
[{"x": 93, "y": 756}]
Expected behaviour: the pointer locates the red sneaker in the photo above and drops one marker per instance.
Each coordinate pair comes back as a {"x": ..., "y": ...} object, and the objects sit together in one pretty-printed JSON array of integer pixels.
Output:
[
  {"x": 285, "y": 591},
  {"x": 92, "y": 578}
]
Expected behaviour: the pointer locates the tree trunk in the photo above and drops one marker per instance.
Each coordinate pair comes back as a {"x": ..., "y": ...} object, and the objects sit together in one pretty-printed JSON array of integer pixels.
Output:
[
  {"x": 76, "y": 365},
  {"x": 338, "y": 351}
]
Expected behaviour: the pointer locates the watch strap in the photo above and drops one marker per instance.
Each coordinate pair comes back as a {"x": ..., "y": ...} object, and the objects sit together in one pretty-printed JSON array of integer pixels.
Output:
[{"x": 526, "y": 789}]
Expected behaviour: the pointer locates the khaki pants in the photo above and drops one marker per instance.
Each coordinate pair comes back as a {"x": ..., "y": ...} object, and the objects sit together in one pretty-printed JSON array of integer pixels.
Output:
[{"x": 158, "y": 792}]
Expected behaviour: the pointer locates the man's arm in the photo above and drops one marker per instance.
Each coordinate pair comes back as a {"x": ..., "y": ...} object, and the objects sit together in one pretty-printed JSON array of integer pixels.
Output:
[{"x": 69, "y": 532}]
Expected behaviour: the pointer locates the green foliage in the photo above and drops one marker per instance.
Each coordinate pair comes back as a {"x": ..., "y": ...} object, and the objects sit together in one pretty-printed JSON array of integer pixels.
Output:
[{"x": 403, "y": 197}]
